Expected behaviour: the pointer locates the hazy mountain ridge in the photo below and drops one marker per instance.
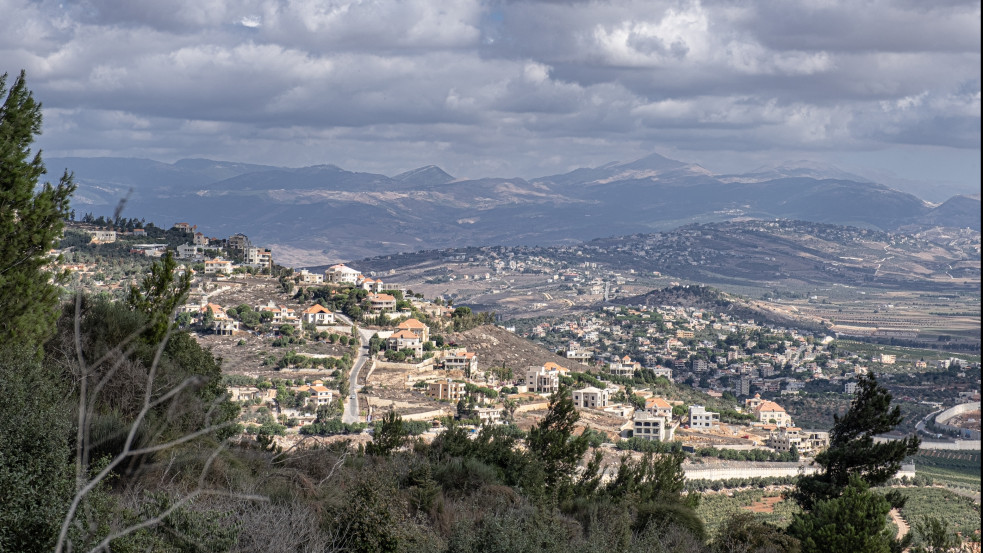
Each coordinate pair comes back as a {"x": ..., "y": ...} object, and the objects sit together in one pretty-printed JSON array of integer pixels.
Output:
[{"x": 347, "y": 214}]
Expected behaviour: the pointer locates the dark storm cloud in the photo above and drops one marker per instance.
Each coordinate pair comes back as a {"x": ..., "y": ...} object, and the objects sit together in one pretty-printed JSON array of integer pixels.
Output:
[{"x": 525, "y": 87}]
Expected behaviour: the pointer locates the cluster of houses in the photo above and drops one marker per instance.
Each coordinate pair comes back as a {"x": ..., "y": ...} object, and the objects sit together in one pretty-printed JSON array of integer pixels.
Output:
[
  {"x": 279, "y": 315},
  {"x": 683, "y": 344}
]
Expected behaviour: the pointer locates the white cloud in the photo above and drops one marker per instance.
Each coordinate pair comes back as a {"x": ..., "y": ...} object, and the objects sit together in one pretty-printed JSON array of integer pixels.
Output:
[{"x": 532, "y": 84}]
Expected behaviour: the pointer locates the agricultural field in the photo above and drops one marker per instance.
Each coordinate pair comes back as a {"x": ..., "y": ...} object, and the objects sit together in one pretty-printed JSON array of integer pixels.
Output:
[
  {"x": 962, "y": 513},
  {"x": 957, "y": 469},
  {"x": 766, "y": 505},
  {"x": 906, "y": 356}
]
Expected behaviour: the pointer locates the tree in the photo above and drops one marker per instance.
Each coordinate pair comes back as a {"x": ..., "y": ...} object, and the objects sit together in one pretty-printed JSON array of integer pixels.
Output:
[
  {"x": 856, "y": 521},
  {"x": 159, "y": 295},
  {"x": 31, "y": 222},
  {"x": 937, "y": 536},
  {"x": 852, "y": 451},
  {"x": 508, "y": 409},
  {"x": 388, "y": 436},
  {"x": 35, "y": 454},
  {"x": 552, "y": 441},
  {"x": 742, "y": 532}
]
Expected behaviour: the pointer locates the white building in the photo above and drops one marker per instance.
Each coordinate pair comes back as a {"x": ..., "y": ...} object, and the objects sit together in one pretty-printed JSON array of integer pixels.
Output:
[
  {"x": 591, "y": 398},
  {"x": 317, "y": 315},
  {"x": 307, "y": 277},
  {"x": 213, "y": 266},
  {"x": 699, "y": 417},
  {"x": 259, "y": 257},
  {"x": 541, "y": 380},
  {"x": 651, "y": 427},
  {"x": 341, "y": 274},
  {"x": 624, "y": 366}
]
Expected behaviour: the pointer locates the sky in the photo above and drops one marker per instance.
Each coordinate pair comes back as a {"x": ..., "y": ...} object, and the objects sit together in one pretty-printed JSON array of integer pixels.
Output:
[{"x": 888, "y": 89}]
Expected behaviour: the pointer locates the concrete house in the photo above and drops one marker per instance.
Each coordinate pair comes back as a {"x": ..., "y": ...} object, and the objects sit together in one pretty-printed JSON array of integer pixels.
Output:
[
  {"x": 591, "y": 398},
  {"x": 317, "y": 315},
  {"x": 446, "y": 389},
  {"x": 416, "y": 327},
  {"x": 699, "y": 417},
  {"x": 651, "y": 427},
  {"x": 466, "y": 361}
]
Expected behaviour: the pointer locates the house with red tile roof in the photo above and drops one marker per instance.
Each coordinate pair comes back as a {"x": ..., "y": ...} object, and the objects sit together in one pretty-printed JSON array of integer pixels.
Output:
[
  {"x": 317, "y": 315},
  {"x": 416, "y": 327},
  {"x": 381, "y": 302},
  {"x": 404, "y": 339}
]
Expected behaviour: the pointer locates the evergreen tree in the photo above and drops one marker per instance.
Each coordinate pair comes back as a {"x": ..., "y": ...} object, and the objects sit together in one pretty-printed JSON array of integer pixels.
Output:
[
  {"x": 388, "y": 436},
  {"x": 552, "y": 441},
  {"x": 159, "y": 296},
  {"x": 852, "y": 451},
  {"x": 856, "y": 521},
  {"x": 31, "y": 222}
]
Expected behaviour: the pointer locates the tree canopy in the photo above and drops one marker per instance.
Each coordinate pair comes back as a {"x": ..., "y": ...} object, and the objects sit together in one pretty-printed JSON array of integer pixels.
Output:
[
  {"x": 852, "y": 450},
  {"x": 31, "y": 221}
]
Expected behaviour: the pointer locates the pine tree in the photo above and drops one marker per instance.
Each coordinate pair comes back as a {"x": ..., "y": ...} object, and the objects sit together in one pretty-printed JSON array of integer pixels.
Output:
[
  {"x": 852, "y": 451},
  {"x": 855, "y": 521},
  {"x": 552, "y": 441},
  {"x": 31, "y": 222},
  {"x": 159, "y": 295}
]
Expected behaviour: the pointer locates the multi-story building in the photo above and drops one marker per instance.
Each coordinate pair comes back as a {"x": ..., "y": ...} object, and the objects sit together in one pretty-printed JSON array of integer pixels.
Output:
[
  {"x": 814, "y": 441},
  {"x": 341, "y": 274},
  {"x": 784, "y": 439},
  {"x": 213, "y": 266},
  {"x": 624, "y": 366},
  {"x": 416, "y": 327},
  {"x": 382, "y": 302},
  {"x": 261, "y": 258},
  {"x": 699, "y": 417},
  {"x": 591, "y": 398},
  {"x": 317, "y": 315},
  {"x": 651, "y": 427},
  {"x": 662, "y": 371},
  {"x": 404, "y": 339},
  {"x": 658, "y": 407},
  {"x": 238, "y": 242},
  {"x": 446, "y": 389},
  {"x": 466, "y": 361},
  {"x": 307, "y": 277},
  {"x": 769, "y": 412},
  {"x": 542, "y": 380}
]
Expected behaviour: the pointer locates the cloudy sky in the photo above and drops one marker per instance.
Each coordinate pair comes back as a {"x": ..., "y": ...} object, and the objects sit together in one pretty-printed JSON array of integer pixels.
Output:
[{"x": 887, "y": 88}]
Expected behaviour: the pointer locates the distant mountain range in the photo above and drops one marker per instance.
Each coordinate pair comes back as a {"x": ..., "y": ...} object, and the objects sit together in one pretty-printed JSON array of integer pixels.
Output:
[{"x": 325, "y": 213}]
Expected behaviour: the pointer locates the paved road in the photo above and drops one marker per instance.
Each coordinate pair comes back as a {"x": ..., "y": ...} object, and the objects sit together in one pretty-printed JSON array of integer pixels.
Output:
[{"x": 351, "y": 414}]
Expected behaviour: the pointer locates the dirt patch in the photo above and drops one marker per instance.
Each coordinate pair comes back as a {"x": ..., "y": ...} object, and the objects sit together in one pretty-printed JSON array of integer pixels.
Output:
[
  {"x": 765, "y": 504},
  {"x": 496, "y": 346}
]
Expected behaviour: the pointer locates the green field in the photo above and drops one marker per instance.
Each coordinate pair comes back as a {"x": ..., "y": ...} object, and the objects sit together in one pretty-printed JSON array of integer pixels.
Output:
[
  {"x": 716, "y": 508},
  {"x": 959, "y": 469},
  {"x": 962, "y": 513},
  {"x": 905, "y": 355}
]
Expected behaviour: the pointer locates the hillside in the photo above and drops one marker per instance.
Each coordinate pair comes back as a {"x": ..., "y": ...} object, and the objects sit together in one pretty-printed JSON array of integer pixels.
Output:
[
  {"x": 496, "y": 346},
  {"x": 325, "y": 213}
]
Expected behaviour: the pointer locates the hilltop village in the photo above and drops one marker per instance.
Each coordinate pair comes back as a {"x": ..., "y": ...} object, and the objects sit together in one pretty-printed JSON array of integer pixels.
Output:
[{"x": 322, "y": 354}]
